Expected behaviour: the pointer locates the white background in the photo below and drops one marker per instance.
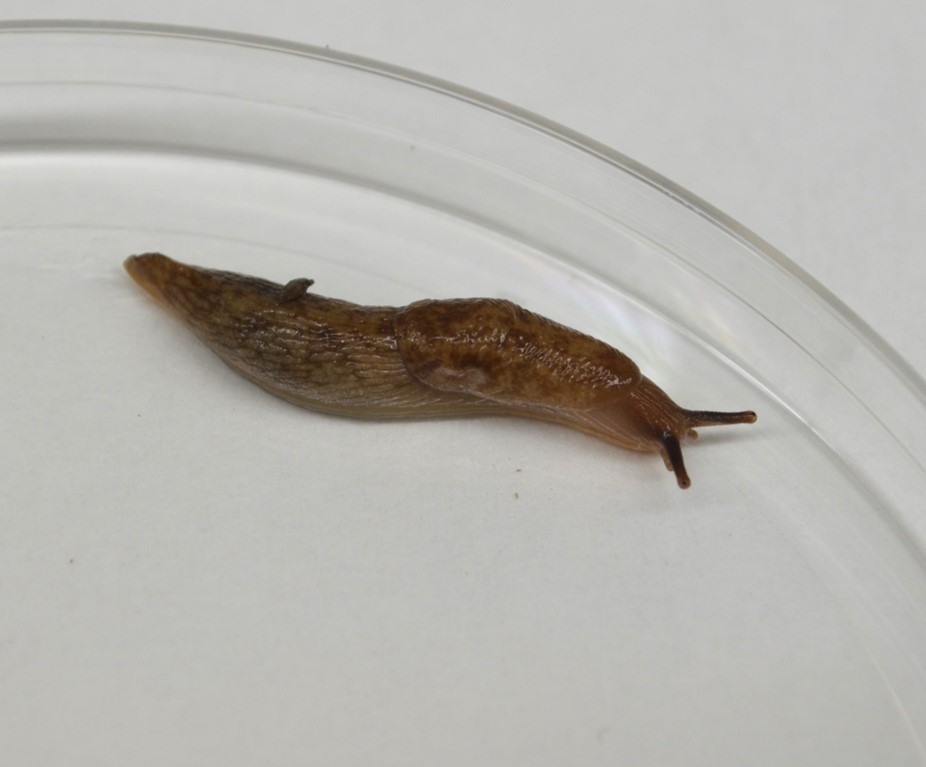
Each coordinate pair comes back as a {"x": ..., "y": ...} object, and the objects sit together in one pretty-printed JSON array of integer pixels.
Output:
[{"x": 804, "y": 121}]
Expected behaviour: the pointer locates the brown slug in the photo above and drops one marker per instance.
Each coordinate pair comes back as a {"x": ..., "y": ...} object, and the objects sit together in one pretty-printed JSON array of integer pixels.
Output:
[{"x": 470, "y": 356}]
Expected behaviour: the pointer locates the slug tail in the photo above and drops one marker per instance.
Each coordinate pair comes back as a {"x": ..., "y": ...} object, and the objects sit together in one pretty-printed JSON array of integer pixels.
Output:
[
  {"x": 151, "y": 271},
  {"x": 674, "y": 461}
]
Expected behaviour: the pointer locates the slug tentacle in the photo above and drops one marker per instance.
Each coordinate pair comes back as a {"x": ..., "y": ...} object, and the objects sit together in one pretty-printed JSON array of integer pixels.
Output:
[
  {"x": 475, "y": 356},
  {"x": 673, "y": 458},
  {"x": 714, "y": 418}
]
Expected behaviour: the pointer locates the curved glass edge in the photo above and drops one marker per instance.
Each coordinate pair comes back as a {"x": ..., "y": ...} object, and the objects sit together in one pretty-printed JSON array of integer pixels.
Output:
[{"x": 909, "y": 377}]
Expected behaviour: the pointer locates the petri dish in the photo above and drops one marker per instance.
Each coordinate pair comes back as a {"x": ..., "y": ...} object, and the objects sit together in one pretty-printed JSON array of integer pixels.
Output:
[{"x": 194, "y": 571}]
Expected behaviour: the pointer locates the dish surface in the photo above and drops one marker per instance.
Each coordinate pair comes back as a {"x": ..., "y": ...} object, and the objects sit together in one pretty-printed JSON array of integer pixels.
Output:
[{"x": 214, "y": 573}]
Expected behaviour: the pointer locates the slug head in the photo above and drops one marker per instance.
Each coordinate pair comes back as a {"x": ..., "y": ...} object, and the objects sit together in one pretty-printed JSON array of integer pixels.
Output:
[{"x": 647, "y": 419}]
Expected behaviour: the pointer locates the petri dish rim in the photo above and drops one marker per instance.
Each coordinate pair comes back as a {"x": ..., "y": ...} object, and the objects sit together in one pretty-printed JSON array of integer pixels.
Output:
[
  {"x": 758, "y": 246},
  {"x": 895, "y": 369}
]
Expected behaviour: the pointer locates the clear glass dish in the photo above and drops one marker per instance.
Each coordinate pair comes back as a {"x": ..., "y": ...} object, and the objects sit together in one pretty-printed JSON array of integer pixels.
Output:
[{"x": 192, "y": 571}]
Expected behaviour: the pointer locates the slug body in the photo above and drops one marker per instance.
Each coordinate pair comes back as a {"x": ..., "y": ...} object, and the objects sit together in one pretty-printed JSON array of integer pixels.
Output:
[{"x": 457, "y": 357}]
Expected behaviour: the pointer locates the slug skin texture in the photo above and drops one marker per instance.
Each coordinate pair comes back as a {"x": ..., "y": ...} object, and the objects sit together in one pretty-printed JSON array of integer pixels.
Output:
[{"x": 432, "y": 358}]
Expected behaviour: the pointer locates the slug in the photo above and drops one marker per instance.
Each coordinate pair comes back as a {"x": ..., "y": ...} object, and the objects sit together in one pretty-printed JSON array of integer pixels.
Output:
[{"x": 471, "y": 356}]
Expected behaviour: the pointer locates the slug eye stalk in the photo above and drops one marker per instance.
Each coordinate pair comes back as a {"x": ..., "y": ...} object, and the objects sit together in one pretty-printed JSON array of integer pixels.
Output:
[
  {"x": 672, "y": 454},
  {"x": 698, "y": 418}
]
